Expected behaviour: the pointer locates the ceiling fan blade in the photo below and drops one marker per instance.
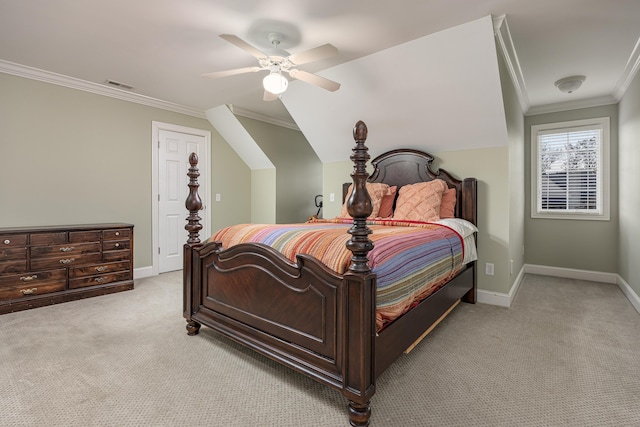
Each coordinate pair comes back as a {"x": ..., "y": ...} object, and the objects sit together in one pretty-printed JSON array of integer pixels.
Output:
[
  {"x": 225, "y": 73},
  {"x": 268, "y": 96},
  {"x": 314, "y": 79},
  {"x": 238, "y": 42},
  {"x": 315, "y": 54}
]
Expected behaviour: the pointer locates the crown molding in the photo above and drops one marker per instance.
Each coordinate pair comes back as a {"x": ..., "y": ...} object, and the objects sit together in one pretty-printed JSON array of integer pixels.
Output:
[
  {"x": 505, "y": 42},
  {"x": 262, "y": 117},
  {"x": 630, "y": 71},
  {"x": 572, "y": 105},
  {"x": 98, "y": 89}
]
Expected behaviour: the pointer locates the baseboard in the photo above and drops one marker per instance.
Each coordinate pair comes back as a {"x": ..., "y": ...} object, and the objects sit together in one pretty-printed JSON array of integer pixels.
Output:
[
  {"x": 593, "y": 276},
  {"x": 570, "y": 273},
  {"x": 633, "y": 298},
  {"x": 499, "y": 298},
  {"x": 139, "y": 273}
]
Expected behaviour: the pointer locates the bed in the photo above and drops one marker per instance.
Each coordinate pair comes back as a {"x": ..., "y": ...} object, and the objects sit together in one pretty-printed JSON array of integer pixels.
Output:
[{"x": 304, "y": 314}]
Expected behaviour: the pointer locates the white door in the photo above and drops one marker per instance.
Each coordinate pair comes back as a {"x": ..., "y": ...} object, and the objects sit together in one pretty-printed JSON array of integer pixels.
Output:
[{"x": 173, "y": 163}]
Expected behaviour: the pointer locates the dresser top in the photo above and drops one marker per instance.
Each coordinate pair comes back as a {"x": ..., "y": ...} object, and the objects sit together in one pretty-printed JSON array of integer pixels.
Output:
[{"x": 76, "y": 227}]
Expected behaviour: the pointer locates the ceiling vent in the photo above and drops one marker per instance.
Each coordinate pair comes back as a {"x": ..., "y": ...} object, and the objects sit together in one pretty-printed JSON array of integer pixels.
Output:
[{"x": 118, "y": 84}]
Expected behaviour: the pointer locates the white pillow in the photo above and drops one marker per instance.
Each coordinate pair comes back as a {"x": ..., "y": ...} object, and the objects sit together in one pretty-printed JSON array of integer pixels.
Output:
[{"x": 462, "y": 226}]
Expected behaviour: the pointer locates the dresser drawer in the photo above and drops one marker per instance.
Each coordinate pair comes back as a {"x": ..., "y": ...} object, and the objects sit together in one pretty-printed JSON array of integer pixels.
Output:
[
  {"x": 12, "y": 240},
  {"x": 115, "y": 245},
  {"x": 84, "y": 236},
  {"x": 65, "y": 261},
  {"x": 98, "y": 280},
  {"x": 116, "y": 255},
  {"x": 16, "y": 266},
  {"x": 33, "y": 278},
  {"x": 92, "y": 270},
  {"x": 38, "y": 239},
  {"x": 116, "y": 234},
  {"x": 65, "y": 251},
  {"x": 27, "y": 290},
  {"x": 7, "y": 253}
]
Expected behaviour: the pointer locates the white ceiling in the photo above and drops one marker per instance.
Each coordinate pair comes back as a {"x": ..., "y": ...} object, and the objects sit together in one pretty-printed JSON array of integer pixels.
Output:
[{"x": 162, "y": 47}]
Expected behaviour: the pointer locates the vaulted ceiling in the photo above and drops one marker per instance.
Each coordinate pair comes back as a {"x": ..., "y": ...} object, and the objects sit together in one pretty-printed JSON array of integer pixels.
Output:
[{"x": 408, "y": 71}]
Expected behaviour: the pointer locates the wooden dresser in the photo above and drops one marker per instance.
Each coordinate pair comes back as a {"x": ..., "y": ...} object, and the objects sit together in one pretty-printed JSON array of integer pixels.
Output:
[{"x": 48, "y": 265}]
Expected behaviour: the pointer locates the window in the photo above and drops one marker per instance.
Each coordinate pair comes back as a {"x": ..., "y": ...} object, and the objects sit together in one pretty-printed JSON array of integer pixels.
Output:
[{"x": 570, "y": 170}]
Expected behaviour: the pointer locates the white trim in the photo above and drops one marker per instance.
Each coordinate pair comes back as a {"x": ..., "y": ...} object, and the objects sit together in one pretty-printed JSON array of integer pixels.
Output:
[
  {"x": 142, "y": 272},
  {"x": 571, "y": 273},
  {"x": 592, "y": 276},
  {"x": 205, "y": 166},
  {"x": 571, "y": 105},
  {"x": 99, "y": 89},
  {"x": 508, "y": 49},
  {"x": 630, "y": 70},
  {"x": 499, "y": 298},
  {"x": 605, "y": 186},
  {"x": 633, "y": 298},
  {"x": 262, "y": 117}
]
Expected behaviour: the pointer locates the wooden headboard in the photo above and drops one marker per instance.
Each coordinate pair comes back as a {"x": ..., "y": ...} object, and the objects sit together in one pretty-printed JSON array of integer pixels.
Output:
[{"x": 407, "y": 166}]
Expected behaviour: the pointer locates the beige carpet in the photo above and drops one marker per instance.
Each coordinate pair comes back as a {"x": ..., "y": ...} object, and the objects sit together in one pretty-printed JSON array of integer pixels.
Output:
[{"x": 567, "y": 353}]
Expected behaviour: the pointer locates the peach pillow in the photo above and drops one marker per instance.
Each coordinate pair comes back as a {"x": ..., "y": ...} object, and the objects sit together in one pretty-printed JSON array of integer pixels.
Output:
[
  {"x": 448, "y": 205},
  {"x": 376, "y": 190},
  {"x": 386, "y": 204},
  {"x": 420, "y": 201}
]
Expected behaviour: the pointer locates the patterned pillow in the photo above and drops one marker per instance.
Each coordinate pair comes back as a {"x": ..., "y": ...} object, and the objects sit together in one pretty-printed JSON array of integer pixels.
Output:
[
  {"x": 448, "y": 205},
  {"x": 386, "y": 204},
  {"x": 420, "y": 201},
  {"x": 376, "y": 190}
]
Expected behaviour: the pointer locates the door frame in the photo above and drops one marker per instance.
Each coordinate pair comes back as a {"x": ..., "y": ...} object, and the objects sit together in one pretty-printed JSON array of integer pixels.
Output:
[{"x": 204, "y": 165}]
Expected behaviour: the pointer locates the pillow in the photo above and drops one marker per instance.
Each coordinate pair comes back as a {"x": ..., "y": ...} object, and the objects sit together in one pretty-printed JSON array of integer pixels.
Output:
[
  {"x": 376, "y": 190},
  {"x": 420, "y": 201},
  {"x": 462, "y": 226},
  {"x": 386, "y": 204},
  {"x": 448, "y": 205}
]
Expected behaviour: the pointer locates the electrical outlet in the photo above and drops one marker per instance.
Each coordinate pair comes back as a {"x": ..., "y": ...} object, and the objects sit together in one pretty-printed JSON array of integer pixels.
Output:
[
  {"x": 217, "y": 197},
  {"x": 488, "y": 269},
  {"x": 332, "y": 197},
  {"x": 511, "y": 268}
]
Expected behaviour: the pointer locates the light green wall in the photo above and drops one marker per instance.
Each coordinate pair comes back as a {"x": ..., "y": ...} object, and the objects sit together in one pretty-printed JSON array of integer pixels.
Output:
[
  {"x": 578, "y": 244},
  {"x": 72, "y": 157},
  {"x": 263, "y": 202},
  {"x": 299, "y": 170},
  {"x": 629, "y": 179}
]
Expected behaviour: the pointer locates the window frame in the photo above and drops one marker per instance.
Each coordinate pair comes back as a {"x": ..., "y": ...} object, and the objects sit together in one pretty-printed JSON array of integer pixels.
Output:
[{"x": 604, "y": 190}]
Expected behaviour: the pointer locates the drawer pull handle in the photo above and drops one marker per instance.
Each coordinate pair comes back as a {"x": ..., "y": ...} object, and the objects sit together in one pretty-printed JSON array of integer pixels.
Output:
[
  {"x": 102, "y": 268},
  {"x": 117, "y": 245},
  {"x": 6, "y": 242},
  {"x": 117, "y": 233},
  {"x": 67, "y": 249},
  {"x": 101, "y": 279},
  {"x": 28, "y": 291},
  {"x": 67, "y": 261},
  {"x": 29, "y": 278}
]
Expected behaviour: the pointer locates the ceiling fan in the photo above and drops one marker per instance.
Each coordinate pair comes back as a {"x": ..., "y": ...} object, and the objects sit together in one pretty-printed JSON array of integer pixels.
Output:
[{"x": 277, "y": 61}]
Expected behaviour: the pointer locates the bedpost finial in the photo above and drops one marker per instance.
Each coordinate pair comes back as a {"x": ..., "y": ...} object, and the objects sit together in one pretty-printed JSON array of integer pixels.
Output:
[
  {"x": 360, "y": 131},
  {"x": 193, "y": 159}
]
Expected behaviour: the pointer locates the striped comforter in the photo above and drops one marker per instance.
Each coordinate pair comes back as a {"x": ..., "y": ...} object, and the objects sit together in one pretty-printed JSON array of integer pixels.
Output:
[{"x": 411, "y": 259}]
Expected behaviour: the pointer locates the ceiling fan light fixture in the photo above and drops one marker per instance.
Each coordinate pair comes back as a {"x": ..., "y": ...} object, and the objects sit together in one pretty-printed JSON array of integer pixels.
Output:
[
  {"x": 275, "y": 83},
  {"x": 570, "y": 84}
]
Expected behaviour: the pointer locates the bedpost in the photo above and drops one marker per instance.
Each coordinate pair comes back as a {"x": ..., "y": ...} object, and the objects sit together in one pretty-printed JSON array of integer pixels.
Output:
[
  {"x": 360, "y": 286},
  {"x": 193, "y": 205}
]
